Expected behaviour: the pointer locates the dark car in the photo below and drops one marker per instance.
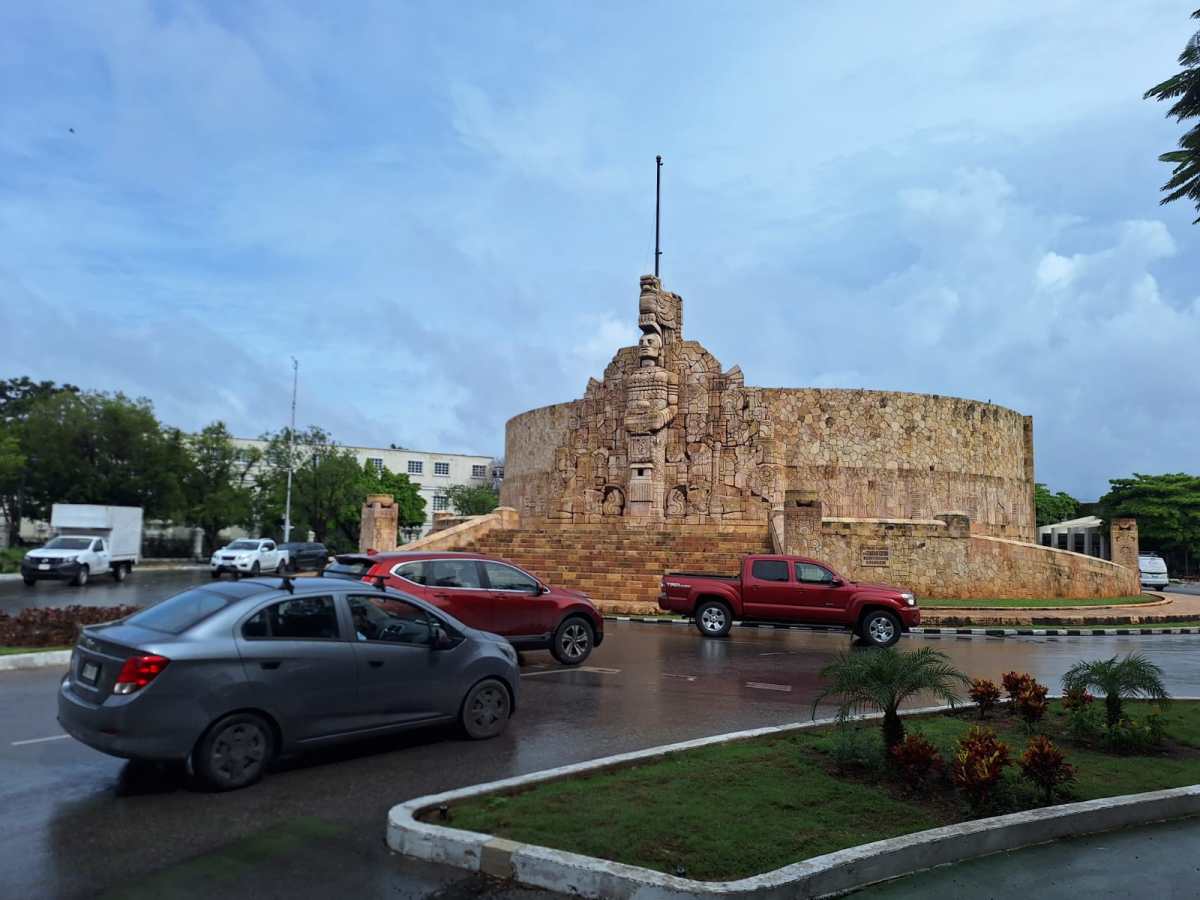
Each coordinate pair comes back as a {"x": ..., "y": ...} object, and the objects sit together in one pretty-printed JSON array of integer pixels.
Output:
[
  {"x": 490, "y": 594},
  {"x": 231, "y": 674},
  {"x": 305, "y": 556}
]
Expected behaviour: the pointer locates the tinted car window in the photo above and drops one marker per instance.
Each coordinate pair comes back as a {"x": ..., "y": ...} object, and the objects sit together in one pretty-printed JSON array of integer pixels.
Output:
[
  {"x": 355, "y": 568},
  {"x": 506, "y": 578},
  {"x": 812, "y": 574},
  {"x": 176, "y": 614},
  {"x": 416, "y": 572},
  {"x": 386, "y": 619},
  {"x": 770, "y": 569},
  {"x": 458, "y": 573},
  {"x": 302, "y": 618},
  {"x": 256, "y": 626}
]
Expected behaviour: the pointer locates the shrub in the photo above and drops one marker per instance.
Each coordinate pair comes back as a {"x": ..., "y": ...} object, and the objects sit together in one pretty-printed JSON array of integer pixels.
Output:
[
  {"x": 159, "y": 547},
  {"x": 978, "y": 767},
  {"x": 1013, "y": 682},
  {"x": 1077, "y": 698},
  {"x": 854, "y": 746},
  {"x": 10, "y": 559},
  {"x": 56, "y": 626},
  {"x": 916, "y": 759},
  {"x": 1119, "y": 679},
  {"x": 1030, "y": 702},
  {"x": 1044, "y": 765},
  {"x": 1130, "y": 736},
  {"x": 985, "y": 693},
  {"x": 1085, "y": 723}
]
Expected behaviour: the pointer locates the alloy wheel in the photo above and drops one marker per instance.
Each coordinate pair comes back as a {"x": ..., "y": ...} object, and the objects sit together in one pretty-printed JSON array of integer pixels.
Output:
[
  {"x": 881, "y": 630},
  {"x": 712, "y": 619},
  {"x": 574, "y": 641}
]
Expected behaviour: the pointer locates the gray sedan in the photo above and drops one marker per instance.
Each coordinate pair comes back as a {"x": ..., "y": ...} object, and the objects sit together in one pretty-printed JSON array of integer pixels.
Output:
[{"x": 229, "y": 675}]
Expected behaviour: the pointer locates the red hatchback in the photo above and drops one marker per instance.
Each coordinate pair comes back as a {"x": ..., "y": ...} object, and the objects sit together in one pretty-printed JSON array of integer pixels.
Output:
[{"x": 488, "y": 594}]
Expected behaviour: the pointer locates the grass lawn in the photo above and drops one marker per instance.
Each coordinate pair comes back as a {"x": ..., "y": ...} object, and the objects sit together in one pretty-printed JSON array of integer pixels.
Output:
[
  {"x": 9, "y": 651},
  {"x": 1059, "y": 624},
  {"x": 1001, "y": 603},
  {"x": 740, "y": 809}
]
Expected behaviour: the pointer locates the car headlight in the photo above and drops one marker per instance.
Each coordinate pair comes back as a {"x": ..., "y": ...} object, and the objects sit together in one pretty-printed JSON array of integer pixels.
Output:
[{"x": 908, "y": 598}]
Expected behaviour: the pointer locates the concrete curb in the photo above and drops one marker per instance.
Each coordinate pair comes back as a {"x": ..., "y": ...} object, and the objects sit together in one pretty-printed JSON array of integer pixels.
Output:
[
  {"x": 937, "y": 631},
  {"x": 42, "y": 660},
  {"x": 821, "y": 876}
]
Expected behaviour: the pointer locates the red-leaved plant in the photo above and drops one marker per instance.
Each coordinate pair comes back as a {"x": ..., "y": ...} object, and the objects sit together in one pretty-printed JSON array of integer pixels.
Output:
[
  {"x": 1044, "y": 765},
  {"x": 916, "y": 758},
  {"x": 1030, "y": 702},
  {"x": 979, "y": 763},
  {"x": 1077, "y": 698},
  {"x": 985, "y": 694},
  {"x": 1013, "y": 682}
]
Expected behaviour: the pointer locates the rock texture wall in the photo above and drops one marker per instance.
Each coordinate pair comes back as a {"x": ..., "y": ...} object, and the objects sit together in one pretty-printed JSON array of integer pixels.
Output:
[{"x": 668, "y": 436}]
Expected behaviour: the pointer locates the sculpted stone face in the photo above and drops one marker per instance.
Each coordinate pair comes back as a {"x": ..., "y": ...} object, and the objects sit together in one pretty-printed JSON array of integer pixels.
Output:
[{"x": 649, "y": 349}]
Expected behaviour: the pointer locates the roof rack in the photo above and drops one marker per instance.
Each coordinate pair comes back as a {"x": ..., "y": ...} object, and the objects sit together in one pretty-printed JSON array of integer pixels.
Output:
[
  {"x": 288, "y": 585},
  {"x": 380, "y": 583}
]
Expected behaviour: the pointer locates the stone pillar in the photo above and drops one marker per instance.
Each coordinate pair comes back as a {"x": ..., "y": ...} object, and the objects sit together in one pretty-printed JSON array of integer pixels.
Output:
[
  {"x": 380, "y": 519},
  {"x": 802, "y": 513},
  {"x": 1123, "y": 538}
]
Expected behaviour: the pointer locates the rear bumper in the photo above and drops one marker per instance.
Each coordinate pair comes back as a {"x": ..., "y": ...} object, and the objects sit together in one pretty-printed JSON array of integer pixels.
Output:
[
  {"x": 122, "y": 730},
  {"x": 668, "y": 603}
]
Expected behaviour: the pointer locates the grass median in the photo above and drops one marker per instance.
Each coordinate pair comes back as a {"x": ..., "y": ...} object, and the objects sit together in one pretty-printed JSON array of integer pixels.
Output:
[
  {"x": 10, "y": 651},
  {"x": 1045, "y": 602},
  {"x": 733, "y": 810}
]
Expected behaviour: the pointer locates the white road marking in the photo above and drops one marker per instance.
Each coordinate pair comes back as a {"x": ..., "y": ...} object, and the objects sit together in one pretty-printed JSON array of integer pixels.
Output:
[
  {"x": 764, "y": 686},
  {"x": 685, "y": 677},
  {"x": 596, "y": 669},
  {"x": 57, "y": 737}
]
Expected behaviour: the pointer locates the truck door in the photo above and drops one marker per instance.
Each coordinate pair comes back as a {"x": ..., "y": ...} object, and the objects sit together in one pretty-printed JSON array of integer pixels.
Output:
[
  {"x": 102, "y": 555},
  {"x": 768, "y": 591},
  {"x": 819, "y": 600}
]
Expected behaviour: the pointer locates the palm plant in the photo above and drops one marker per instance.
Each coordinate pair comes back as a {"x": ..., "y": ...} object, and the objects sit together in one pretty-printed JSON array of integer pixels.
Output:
[
  {"x": 1119, "y": 678},
  {"x": 883, "y": 679}
]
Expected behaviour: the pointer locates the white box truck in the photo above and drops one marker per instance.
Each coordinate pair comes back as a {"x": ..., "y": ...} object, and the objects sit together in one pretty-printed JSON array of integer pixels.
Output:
[{"x": 88, "y": 540}]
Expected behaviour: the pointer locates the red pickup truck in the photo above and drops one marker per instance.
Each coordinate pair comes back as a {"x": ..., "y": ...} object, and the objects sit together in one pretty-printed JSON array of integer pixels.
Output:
[{"x": 790, "y": 589}]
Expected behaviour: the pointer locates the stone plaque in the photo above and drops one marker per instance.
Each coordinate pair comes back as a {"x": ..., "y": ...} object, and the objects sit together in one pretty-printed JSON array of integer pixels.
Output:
[{"x": 876, "y": 556}]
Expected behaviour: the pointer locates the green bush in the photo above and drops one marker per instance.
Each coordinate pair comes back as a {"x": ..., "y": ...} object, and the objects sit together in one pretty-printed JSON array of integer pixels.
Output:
[
  {"x": 1131, "y": 736},
  {"x": 10, "y": 559},
  {"x": 854, "y": 747},
  {"x": 1085, "y": 723}
]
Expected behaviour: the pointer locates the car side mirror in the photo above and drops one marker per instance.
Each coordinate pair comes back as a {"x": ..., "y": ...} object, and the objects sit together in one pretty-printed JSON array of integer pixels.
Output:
[{"x": 836, "y": 582}]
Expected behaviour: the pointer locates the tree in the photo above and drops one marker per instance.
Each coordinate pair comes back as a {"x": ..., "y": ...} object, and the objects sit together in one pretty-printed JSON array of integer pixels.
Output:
[
  {"x": 884, "y": 679},
  {"x": 1123, "y": 678},
  {"x": 217, "y": 485},
  {"x": 1167, "y": 509},
  {"x": 17, "y": 397},
  {"x": 472, "y": 500},
  {"x": 1184, "y": 88},
  {"x": 101, "y": 448},
  {"x": 1052, "y": 508}
]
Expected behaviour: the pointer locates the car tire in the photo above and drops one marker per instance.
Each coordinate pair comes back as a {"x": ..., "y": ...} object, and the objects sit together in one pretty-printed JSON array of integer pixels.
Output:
[
  {"x": 880, "y": 628},
  {"x": 714, "y": 618},
  {"x": 485, "y": 710},
  {"x": 573, "y": 641},
  {"x": 81, "y": 578},
  {"x": 120, "y": 572},
  {"x": 234, "y": 752},
  {"x": 255, "y": 569},
  {"x": 30, "y": 582},
  {"x": 281, "y": 569},
  {"x": 215, "y": 574}
]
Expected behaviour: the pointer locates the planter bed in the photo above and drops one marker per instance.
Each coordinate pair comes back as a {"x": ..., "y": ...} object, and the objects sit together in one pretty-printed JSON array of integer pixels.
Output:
[{"x": 732, "y": 810}]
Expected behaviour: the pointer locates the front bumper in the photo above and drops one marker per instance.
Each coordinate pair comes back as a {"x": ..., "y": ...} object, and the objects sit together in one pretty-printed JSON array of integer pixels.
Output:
[
  {"x": 233, "y": 566},
  {"x": 54, "y": 572},
  {"x": 910, "y": 617}
]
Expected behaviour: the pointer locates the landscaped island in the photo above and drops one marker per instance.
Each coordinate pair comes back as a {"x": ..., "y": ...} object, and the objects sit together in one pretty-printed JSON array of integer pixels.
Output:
[{"x": 733, "y": 810}]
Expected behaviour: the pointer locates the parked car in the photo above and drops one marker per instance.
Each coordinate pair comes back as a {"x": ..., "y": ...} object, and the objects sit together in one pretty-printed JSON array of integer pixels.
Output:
[
  {"x": 790, "y": 589},
  {"x": 228, "y": 676},
  {"x": 1152, "y": 570},
  {"x": 88, "y": 540},
  {"x": 248, "y": 556},
  {"x": 304, "y": 556},
  {"x": 490, "y": 594}
]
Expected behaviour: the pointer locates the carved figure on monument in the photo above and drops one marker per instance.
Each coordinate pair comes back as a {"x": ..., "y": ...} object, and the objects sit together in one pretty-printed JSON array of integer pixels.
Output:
[
  {"x": 614, "y": 502},
  {"x": 677, "y": 503}
]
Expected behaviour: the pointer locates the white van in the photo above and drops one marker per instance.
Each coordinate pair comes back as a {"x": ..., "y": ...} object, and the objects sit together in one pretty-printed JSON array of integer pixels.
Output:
[{"x": 1153, "y": 569}]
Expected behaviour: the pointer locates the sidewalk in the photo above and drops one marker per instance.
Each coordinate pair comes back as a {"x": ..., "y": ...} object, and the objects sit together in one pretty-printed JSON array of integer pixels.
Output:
[
  {"x": 1179, "y": 607},
  {"x": 1157, "y": 861}
]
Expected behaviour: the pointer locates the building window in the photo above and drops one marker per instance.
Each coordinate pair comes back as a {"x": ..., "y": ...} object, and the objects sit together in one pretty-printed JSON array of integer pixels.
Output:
[
  {"x": 440, "y": 503},
  {"x": 441, "y": 468},
  {"x": 415, "y": 467},
  {"x": 375, "y": 463},
  {"x": 479, "y": 471}
]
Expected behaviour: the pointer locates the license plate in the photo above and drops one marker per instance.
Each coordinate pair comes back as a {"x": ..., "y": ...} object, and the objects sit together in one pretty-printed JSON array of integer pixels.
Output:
[
  {"x": 44, "y": 565},
  {"x": 88, "y": 672}
]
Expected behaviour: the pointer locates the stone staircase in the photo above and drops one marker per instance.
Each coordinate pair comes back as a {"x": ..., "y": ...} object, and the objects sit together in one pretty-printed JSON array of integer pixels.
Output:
[{"x": 619, "y": 568}]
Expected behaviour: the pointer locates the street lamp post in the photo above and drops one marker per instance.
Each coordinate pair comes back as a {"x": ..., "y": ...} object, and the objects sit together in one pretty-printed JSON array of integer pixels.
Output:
[{"x": 287, "y": 512}]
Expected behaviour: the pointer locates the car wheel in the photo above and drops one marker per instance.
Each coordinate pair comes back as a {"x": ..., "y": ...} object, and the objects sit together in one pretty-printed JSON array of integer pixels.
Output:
[
  {"x": 119, "y": 572},
  {"x": 82, "y": 577},
  {"x": 29, "y": 582},
  {"x": 572, "y": 642},
  {"x": 255, "y": 569},
  {"x": 215, "y": 574},
  {"x": 234, "y": 752},
  {"x": 281, "y": 568},
  {"x": 714, "y": 619},
  {"x": 880, "y": 628},
  {"x": 485, "y": 710}
]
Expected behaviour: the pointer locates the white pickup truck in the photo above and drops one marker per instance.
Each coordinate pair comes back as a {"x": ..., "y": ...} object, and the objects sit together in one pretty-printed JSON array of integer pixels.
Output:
[
  {"x": 89, "y": 540},
  {"x": 248, "y": 556}
]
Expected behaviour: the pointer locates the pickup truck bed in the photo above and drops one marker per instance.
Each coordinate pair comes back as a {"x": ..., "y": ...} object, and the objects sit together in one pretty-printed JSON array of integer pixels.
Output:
[{"x": 713, "y": 575}]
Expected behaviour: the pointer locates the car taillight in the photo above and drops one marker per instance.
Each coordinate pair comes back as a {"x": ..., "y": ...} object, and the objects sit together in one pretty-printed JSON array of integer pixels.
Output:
[{"x": 138, "y": 672}]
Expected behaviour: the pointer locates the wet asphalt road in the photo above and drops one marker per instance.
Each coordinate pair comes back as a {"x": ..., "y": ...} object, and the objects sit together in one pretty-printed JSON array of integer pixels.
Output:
[{"x": 74, "y": 822}]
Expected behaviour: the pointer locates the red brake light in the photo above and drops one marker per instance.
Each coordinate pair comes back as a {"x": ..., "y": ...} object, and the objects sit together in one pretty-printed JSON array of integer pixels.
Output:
[{"x": 138, "y": 672}]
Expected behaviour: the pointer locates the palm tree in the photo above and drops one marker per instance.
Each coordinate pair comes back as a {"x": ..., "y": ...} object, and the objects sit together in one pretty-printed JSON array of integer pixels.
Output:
[
  {"x": 883, "y": 679},
  {"x": 1118, "y": 679},
  {"x": 1184, "y": 88}
]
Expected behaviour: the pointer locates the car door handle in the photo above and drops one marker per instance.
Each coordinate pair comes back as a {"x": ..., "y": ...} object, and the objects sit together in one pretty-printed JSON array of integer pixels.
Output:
[
  {"x": 270, "y": 664},
  {"x": 375, "y": 663}
]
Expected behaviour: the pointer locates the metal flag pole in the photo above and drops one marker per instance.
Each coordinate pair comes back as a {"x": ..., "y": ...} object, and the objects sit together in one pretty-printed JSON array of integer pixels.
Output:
[
  {"x": 657, "y": 209},
  {"x": 287, "y": 513}
]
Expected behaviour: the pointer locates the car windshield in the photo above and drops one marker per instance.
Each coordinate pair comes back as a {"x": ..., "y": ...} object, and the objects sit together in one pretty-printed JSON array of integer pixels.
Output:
[
  {"x": 179, "y": 613},
  {"x": 68, "y": 543},
  {"x": 243, "y": 545}
]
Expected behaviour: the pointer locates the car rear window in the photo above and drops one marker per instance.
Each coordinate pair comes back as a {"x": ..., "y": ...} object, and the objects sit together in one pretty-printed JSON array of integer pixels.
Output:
[
  {"x": 351, "y": 567},
  {"x": 179, "y": 613}
]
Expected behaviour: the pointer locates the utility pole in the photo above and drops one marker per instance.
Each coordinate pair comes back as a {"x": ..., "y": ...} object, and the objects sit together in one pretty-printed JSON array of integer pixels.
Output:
[
  {"x": 287, "y": 513},
  {"x": 657, "y": 209}
]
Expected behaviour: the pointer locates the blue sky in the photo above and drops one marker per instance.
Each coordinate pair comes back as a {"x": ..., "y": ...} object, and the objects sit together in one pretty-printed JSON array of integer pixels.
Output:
[{"x": 443, "y": 209}]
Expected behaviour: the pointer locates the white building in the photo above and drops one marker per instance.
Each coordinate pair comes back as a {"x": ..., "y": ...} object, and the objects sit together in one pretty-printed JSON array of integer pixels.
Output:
[
  {"x": 1083, "y": 535},
  {"x": 432, "y": 472}
]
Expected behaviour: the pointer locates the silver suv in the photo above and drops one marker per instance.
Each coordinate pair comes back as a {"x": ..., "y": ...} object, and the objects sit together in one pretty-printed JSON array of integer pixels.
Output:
[{"x": 228, "y": 675}]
